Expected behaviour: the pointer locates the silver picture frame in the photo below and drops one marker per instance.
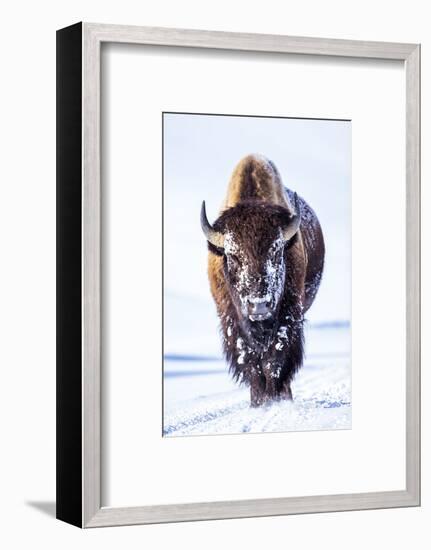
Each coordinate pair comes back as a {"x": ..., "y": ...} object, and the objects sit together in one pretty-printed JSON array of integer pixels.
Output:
[{"x": 79, "y": 274}]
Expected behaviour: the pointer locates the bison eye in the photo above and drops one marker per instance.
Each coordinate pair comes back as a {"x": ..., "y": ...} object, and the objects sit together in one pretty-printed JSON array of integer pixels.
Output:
[{"x": 233, "y": 260}]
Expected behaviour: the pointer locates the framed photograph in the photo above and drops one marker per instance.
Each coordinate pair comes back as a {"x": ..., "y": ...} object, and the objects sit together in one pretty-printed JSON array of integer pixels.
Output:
[
  {"x": 275, "y": 309},
  {"x": 238, "y": 259}
]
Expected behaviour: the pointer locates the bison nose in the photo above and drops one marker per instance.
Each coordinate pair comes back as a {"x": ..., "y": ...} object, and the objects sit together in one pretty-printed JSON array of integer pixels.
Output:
[{"x": 258, "y": 309}]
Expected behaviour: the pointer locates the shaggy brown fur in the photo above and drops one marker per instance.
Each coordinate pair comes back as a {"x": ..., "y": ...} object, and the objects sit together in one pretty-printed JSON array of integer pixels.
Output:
[{"x": 254, "y": 263}]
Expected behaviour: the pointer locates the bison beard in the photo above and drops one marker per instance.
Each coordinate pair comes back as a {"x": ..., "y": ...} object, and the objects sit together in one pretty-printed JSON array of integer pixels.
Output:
[
  {"x": 268, "y": 355},
  {"x": 263, "y": 250}
]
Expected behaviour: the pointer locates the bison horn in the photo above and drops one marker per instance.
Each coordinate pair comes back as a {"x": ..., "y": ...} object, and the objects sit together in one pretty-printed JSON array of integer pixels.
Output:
[
  {"x": 294, "y": 223},
  {"x": 214, "y": 237}
]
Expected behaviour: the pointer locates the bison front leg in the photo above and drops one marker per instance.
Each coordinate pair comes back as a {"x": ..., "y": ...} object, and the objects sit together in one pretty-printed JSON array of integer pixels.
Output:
[
  {"x": 257, "y": 389},
  {"x": 277, "y": 387},
  {"x": 287, "y": 391}
]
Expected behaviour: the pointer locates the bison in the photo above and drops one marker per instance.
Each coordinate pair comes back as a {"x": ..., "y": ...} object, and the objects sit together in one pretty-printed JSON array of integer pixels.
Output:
[{"x": 265, "y": 262}]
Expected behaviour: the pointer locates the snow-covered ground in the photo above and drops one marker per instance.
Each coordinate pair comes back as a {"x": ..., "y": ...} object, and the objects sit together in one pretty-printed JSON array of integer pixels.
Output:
[{"x": 201, "y": 399}]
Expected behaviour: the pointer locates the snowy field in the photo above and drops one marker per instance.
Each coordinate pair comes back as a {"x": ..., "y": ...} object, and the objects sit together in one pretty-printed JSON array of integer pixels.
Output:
[{"x": 201, "y": 399}]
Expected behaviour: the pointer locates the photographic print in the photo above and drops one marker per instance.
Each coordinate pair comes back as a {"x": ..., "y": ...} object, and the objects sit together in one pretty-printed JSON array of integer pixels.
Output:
[{"x": 256, "y": 274}]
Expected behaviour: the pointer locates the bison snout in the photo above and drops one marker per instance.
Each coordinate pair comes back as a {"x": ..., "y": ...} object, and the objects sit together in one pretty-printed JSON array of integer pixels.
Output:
[{"x": 258, "y": 310}]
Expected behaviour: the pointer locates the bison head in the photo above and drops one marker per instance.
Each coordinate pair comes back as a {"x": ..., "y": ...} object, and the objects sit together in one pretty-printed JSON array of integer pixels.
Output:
[{"x": 252, "y": 238}]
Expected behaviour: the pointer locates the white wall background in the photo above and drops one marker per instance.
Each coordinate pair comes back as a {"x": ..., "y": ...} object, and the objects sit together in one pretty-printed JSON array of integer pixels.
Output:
[{"x": 27, "y": 229}]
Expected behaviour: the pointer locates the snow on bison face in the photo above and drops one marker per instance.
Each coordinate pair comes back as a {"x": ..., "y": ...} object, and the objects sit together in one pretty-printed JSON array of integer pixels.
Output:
[
  {"x": 252, "y": 238},
  {"x": 256, "y": 275}
]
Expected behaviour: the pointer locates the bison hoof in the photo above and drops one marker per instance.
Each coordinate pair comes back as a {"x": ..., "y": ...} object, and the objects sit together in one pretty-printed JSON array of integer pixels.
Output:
[{"x": 268, "y": 399}]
